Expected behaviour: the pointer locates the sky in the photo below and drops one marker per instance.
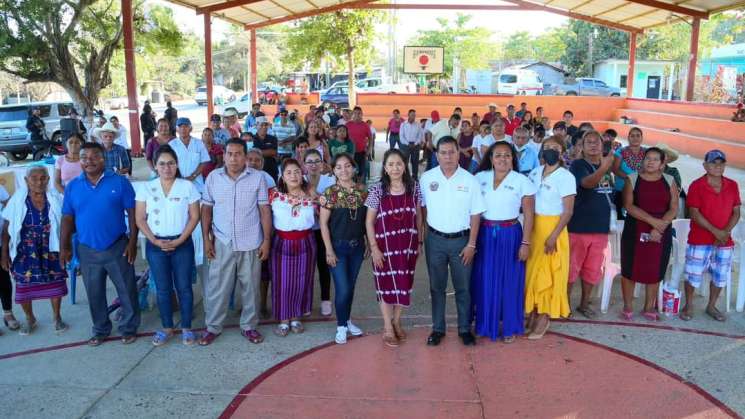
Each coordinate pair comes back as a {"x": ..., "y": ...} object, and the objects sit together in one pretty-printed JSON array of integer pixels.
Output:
[{"x": 502, "y": 23}]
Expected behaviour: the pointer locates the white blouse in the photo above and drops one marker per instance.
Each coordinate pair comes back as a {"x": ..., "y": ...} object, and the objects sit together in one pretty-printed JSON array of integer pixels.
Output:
[
  {"x": 167, "y": 215},
  {"x": 551, "y": 190},
  {"x": 291, "y": 214},
  {"x": 504, "y": 203}
]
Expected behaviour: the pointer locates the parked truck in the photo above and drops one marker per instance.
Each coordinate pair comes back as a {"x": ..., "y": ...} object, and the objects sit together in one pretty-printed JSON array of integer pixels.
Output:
[{"x": 582, "y": 87}]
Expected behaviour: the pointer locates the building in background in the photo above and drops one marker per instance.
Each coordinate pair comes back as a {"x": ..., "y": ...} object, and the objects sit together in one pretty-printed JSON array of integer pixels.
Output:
[{"x": 652, "y": 79}]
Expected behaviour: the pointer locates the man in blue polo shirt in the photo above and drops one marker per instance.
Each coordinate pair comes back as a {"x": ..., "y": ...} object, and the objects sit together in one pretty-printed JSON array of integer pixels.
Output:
[{"x": 94, "y": 207}]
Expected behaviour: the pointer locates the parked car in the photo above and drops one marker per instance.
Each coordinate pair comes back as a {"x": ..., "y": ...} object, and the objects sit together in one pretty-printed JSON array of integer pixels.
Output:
[
  {"x": 220, "y": 95},
  {"x": 375, "y": 85},
  {"x": 583, "y": 87},
  {"x": 338, "y": 95},
  {"x": 122, "y": 102},
  {"x": 242, "y": 104},
  {"x": 512, "y": 81},
  {"x": 15, "y": 139}
]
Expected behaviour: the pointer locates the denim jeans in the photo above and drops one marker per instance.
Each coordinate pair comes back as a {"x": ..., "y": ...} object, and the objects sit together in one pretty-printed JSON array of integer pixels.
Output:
[
  {"x": 349, "y": 257},
  {"x": 173, "y": 270}
]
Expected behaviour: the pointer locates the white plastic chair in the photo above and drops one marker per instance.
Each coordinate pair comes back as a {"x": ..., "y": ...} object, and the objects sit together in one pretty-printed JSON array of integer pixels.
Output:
[
  {"x": 611, "y": 266},
  {"x": 738, "y": 235}
]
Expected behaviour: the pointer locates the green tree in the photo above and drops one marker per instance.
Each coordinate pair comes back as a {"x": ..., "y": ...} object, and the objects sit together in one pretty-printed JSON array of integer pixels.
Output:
[
  {"x": 346, "y": 35},
  {"x": 549, "y": 46},
  {"x": 518, "y": 46},
  {"x": 72, "y": 42},
  {"x": 471, "y": 45}
]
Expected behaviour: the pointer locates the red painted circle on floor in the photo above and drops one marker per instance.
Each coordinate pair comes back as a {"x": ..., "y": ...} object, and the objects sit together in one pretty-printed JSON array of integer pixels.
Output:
[{"x": 557, "y": 376}]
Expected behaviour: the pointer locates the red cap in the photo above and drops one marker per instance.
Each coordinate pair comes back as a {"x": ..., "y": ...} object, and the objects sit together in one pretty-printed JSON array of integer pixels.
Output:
[{"x": 435, "y": 116}]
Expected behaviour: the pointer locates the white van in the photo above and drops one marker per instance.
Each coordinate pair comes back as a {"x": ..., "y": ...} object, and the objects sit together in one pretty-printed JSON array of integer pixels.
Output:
[
  {"x": 220, "y": 95},
  {"x": 513, "y": 81}
]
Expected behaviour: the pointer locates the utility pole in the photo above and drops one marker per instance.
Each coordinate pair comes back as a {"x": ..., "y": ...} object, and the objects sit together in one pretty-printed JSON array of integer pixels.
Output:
[{"x": 589, "y": 52}]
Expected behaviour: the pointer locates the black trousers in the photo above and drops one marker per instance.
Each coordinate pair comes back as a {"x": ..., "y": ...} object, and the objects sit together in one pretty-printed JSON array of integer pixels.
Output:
[
  {"x": 6, "y": 290},
  {"x": 324, "y": 277}
]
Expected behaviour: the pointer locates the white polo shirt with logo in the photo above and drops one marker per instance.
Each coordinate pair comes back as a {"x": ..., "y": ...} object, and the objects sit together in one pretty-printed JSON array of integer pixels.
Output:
[{"x": 451, "y": 202}]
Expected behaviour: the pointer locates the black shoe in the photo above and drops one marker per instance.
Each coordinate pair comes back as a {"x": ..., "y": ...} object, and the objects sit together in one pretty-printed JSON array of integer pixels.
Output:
[
  {"x": 435, "y": 338},
  {"x": 467, "y": 338}
]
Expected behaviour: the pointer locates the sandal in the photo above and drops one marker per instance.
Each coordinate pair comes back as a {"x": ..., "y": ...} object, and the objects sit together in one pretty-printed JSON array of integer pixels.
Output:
[
  {"x": 626, "y": 315},
  {"x": 508, "y": 339},
  {"x": 539, "y": 329},
  {"x": 282, "y": 329},
  {"x": 11, "y": 322},
  {"x": 127, "y": 339},
  {"x": 297, "y": 327},
  {"x": 96, "y": 340},
  {"x": 715, "y": 314},
  {"x": 60, "y": 326},
  {"x": 28, "y": 328},
  {"x": 685, "y": 316},
  {"x": 389, "y": 338},
  {"x": 399, "y": 331},
  {"x": 652, "y": 316},
  {"x": 188, "y": 337},
  {"x": 587, "y": 312}
]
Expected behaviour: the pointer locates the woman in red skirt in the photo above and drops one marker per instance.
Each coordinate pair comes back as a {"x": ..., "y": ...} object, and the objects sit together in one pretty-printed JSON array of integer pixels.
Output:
[
  {"x": 394, "y": 223},
  {"x": 651, "y": 200}
]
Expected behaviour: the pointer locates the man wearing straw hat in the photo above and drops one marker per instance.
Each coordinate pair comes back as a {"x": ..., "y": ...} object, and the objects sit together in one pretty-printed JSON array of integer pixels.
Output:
[
  {"x": 671, "y": 156},
  {"x": 115, "y": 156}
]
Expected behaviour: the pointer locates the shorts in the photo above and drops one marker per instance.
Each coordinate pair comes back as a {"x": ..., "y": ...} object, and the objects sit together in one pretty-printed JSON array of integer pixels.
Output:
[
  {"x": 586, "y": 254},
  {"x": 717, "y": 260}
]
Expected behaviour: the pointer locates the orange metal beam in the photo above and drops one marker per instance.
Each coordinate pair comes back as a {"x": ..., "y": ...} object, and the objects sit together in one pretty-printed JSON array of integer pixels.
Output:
[
  {"x": 252, "y": 58},
  {"x": 672, "y": 8},
  {"x": 208, "y": 64},
  {"x": 693, "y": 60},
  {"x": 632, "y": 65},
  {"x": 578, "y": 16},
  {"x": 131, "y": 76},
  {"x": 224, "y": 5},
  {"x": 308, "y": 13}
]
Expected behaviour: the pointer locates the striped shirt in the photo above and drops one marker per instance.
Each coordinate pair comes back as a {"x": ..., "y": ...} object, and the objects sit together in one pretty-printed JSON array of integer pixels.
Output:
[{"x": 236, "y": 220}]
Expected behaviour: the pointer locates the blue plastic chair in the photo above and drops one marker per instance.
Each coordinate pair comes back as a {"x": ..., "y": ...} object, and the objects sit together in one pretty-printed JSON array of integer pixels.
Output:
[{"x": 73, "y": 266}]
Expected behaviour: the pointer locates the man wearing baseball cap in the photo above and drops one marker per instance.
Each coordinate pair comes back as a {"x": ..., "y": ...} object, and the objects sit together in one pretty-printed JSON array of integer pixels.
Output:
[
  {"x": 221, "y": 134},
  {"x": 191, "y": 153},
  {"x": 714, "y": 205}
]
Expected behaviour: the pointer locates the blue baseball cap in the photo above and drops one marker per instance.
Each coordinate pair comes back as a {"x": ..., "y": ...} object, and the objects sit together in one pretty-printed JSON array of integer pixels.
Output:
[
  {"x": 715, "y": 155},
  {"x": 183, "y": 121}
]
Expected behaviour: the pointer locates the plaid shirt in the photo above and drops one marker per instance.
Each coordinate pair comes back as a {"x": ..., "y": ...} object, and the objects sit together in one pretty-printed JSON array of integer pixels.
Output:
[
  {"x": 116, "y": 158},
  {"x": 236, "y": 220}
]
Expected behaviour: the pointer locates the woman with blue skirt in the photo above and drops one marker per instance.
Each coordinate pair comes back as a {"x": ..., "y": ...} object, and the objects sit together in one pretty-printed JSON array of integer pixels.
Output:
[{"x": 498, "y": 277}]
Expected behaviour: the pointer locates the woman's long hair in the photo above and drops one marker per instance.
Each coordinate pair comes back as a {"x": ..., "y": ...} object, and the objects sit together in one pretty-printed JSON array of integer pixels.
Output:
[
  {"x": 166, "y": 149},
  {"x": 407, "y": 180},
  {"x": 282, "y": 185},
  {"x": 486, "y": 163}
]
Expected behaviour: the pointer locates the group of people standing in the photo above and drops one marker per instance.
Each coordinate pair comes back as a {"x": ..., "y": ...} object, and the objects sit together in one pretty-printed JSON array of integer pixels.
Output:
[{"x": 511, "y": 238}]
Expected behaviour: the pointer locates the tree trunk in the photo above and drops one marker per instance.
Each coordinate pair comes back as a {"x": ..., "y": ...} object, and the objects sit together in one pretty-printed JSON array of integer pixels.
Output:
[{"x": 352, "y": 97}]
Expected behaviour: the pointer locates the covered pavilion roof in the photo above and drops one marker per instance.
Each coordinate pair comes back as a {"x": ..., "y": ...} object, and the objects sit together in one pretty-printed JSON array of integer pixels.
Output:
[{"x": 627, "y": 15}]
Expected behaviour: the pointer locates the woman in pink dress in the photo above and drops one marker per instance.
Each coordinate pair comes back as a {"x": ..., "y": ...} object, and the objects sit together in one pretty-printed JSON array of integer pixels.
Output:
[{"x": 394, "y": 223}]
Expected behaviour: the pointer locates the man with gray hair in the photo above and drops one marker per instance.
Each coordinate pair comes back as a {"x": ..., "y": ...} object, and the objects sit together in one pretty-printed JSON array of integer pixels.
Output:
[{"x": 527, "y": 156}]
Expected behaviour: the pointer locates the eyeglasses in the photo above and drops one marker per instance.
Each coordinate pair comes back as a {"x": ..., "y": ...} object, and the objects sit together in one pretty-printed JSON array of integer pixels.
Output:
[{"x": 313, "y": 162}]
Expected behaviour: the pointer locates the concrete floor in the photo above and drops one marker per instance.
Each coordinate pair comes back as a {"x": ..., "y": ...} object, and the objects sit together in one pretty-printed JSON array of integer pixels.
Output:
[{"x": 45, "y": 375}]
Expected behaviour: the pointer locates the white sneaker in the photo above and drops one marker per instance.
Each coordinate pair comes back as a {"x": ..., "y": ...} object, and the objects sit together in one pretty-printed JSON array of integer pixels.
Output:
[
  {"x": 326, "y": 308},
  {"x": 354, "y": 330},
  {"x": 341, "y": 335}
]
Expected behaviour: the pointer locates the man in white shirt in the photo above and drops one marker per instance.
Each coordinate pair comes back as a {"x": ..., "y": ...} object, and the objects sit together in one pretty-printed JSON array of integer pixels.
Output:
[
  {"x": 122, "y": 138},
  {"x": 440, "y": 130},
  {"x": 191, "y": 152},
  {"x": 411, "y": 137},
  {"x": 284, "y": 130},
  {"x": 452, "y": 207}
]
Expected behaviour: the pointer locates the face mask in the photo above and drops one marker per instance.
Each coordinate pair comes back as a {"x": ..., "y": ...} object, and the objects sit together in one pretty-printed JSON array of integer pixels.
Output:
[{"x": 551, "y": 157}]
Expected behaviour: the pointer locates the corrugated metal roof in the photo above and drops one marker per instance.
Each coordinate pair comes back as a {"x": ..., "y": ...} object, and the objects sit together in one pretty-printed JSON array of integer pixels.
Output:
[{"x": 635, "y": 15}]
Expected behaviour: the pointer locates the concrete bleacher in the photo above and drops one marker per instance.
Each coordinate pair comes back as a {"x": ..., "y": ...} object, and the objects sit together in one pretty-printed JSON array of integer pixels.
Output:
[{"x": 689, "y": 127}]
